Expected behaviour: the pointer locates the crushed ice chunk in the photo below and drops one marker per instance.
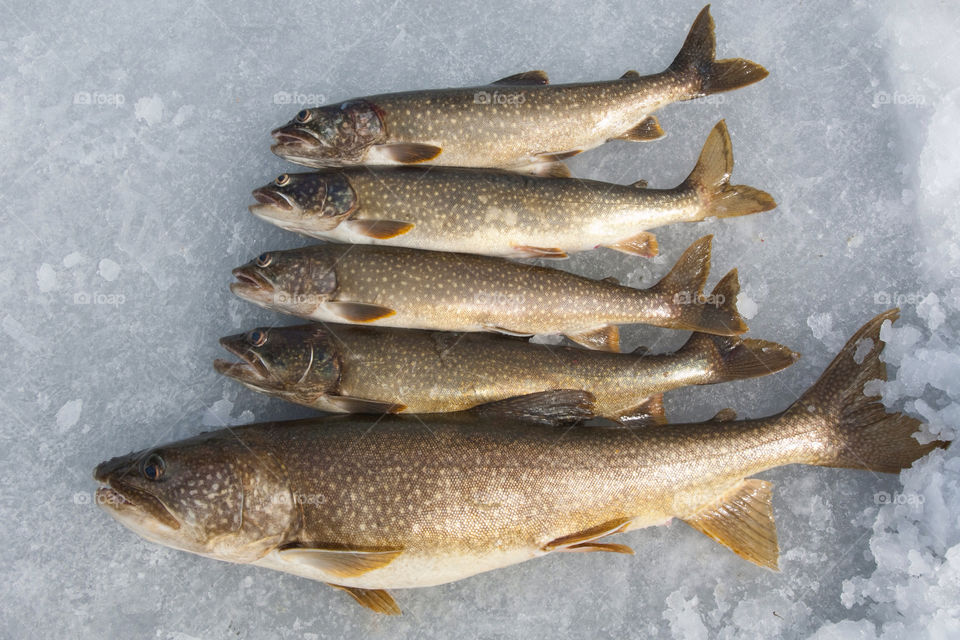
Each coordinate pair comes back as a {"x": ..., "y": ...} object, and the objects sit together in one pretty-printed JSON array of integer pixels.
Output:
[
  {"x": 46, "y": 278},
  {"x": 108, "y": 270},
  {"x": 69, "y": 414}
]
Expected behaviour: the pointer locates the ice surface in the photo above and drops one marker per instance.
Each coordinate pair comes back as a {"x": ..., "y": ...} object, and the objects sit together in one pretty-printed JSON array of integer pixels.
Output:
[{"x": 133, "y": 134}]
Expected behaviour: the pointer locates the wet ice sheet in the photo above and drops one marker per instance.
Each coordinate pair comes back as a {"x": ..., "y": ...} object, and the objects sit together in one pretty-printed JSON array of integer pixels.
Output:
[{"x": 133, "y": 135}]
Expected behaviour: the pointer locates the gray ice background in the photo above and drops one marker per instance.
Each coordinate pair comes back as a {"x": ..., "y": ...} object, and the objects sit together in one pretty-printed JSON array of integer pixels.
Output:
[{"x": 132, "y": 134}]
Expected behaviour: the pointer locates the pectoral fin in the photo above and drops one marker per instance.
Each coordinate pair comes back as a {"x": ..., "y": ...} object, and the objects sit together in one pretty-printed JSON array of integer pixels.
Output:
[
  {"x": 562, "y": 155},
  {"x": 408, "y": 152},
  {"x": 588, "y": 535},
  {"x": 643, "y": 244},
  {"x": 742, "y": 520},
  {"x": 646, "y": 129},
  {"x": 603, "y": 339},
  {"x": 359, "y": 312},
  {"x": 527, "y": 251},
  {"x": 648, "y": 413},
  {"x": 374, "y": 599},
  {"x": 342, "y": 563},
  {"x": 506, "y": 332},
  {"x": 524, "y": 78},
  {"x": 380, "y": 229},
  {"x": 600, "y": 546},
  {"x": 557, "y": 407},
  {"x": 362, "y": 405}
]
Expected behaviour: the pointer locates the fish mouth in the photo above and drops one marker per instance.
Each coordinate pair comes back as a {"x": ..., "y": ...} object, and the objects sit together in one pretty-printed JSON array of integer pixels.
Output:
[
  {"x": 124, "y": 499},
  {"x": 250, "y": 369},
  {"x": 270, "y": 198},
  {"x": 291, "y": 135},
  {"x": 251, "y": 284}
]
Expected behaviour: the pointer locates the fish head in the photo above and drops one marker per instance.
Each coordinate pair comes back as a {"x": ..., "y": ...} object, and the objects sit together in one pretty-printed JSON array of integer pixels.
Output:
[
  {"x": 330, "y": 136},
  {"x": 297, "y": 281},
  {"x": 203, "y": 495},
  {"x": 299, "y": 364},
  {"x": 306, "y": 202}
]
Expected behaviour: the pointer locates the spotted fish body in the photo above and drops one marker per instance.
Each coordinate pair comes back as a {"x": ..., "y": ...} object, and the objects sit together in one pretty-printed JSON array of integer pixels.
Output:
[
  {"x": 518, "y": 122},
  {"x": 389, "y": 502},
  {"x": 397, "y": 287},
  {"x": 501, "y": 213},
  {"x": 344, "y": 368}
]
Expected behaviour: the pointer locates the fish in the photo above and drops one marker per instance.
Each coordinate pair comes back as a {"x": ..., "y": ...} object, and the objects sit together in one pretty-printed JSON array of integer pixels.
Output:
[
  {"x": 359, "y": 369},
  {"x": 370, "y": 504},
  {"x": 520, "y": 122},
  {"x": 502, "y": 213},
  {"x": 408, "y": 288}
]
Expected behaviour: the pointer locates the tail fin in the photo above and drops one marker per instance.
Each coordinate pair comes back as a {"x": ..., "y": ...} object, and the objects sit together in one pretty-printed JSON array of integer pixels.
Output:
[
  {"x": 712, "y": 76},
  {"x": 711, "y": 181},
  {"x": 732, "y": 358},
  {"x": 860, "y": 434},
  {"x": 683, "y": 289}
]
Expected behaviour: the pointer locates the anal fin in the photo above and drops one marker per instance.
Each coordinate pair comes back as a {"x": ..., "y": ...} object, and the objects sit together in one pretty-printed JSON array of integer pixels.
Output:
[
  {"x": 606, "y": 338},
  {"x": 648, "y": 413},
  {"x": 742, "y": 520},
  {"x": 547, "y": 169},
  {"x": 376, "y": 600},
  {"x": 647, "y": 129},
  {"x": 643, "y": 244}
]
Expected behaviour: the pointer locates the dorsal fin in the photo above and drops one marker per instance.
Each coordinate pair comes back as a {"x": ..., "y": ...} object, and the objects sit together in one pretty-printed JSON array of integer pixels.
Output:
[
  {"x": 525, "y": 78},
  {"x": 630, "y": 74}
]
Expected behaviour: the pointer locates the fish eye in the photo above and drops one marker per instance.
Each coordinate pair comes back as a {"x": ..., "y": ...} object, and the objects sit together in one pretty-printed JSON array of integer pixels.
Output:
[
  {"x": 282, "y": 181},
  {"x": 264, "y": 259},
  {"x": 153, "y": 467},
  {"x": 303, "y": 116},
  {"x": 257, "y": 337}
]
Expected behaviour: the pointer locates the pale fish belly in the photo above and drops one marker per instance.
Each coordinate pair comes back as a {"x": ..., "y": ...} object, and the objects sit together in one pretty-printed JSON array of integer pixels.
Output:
[{"x": 411, "y": 570}]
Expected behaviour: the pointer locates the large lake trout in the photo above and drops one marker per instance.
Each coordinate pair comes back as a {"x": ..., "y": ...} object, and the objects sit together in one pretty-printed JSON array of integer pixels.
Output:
[
  {"x": 342, "y": 368},
  {"x": 502, "y": 213},
  {"x": 371, "y": 503},
  {"x": 407, "y": 288},
  {"x": 521, "y": 122}
]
